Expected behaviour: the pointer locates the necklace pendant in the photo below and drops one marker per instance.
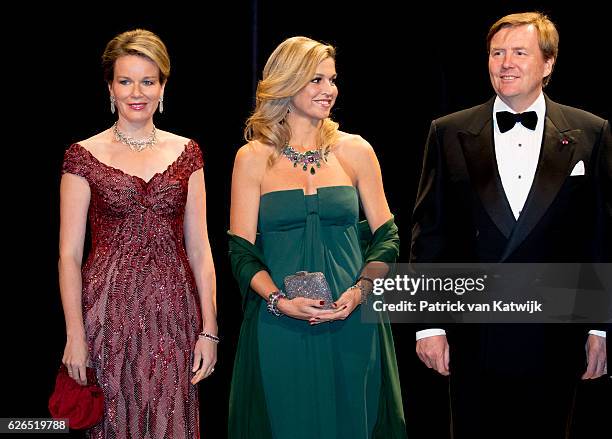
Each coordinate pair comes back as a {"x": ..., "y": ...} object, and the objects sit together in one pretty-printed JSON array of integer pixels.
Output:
[{"x": 310, "y": 157}]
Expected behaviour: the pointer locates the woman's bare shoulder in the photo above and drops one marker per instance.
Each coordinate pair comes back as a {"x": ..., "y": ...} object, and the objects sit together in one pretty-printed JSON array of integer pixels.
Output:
[
  {"x": 172, "y": 141},
  {"x": 96, "y": 144},
  {"x": 352, "y": 145},
  {"x": 254, "y": 153}
]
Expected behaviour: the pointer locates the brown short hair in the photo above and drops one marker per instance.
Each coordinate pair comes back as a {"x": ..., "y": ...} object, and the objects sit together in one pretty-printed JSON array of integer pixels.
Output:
[{"x": 548, "y": 37}]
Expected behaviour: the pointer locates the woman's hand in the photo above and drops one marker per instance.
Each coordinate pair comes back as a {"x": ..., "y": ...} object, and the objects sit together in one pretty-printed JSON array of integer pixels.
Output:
[
  {"x": 204, "y": 359},
  {"x": 344, "y": 306},
  {"x": 301, "y": 308},
  {"x": 76, "y": 356}
]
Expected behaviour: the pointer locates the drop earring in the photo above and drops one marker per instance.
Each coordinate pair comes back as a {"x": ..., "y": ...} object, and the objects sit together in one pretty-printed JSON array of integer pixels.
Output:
[
  {"x": 112, "y": 101},
  {"x": 161, "y": 104}
]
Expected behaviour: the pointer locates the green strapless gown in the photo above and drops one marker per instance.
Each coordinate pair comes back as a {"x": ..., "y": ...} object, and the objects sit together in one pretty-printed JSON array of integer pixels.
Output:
[{"x": 321, "y": 381}]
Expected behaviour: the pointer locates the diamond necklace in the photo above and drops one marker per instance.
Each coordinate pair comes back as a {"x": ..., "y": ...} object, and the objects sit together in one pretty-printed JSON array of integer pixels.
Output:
[
  {"x": 310, "y": 157},
  {"x": 135, "y": 144}
]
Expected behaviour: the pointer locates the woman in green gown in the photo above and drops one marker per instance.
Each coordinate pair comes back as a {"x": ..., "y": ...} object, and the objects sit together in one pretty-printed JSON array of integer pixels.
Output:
[{"x": 309, "y": 369}]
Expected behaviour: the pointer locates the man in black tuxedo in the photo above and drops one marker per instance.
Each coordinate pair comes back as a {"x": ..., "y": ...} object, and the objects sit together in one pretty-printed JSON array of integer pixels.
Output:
[{"x": 519, "y": 178}]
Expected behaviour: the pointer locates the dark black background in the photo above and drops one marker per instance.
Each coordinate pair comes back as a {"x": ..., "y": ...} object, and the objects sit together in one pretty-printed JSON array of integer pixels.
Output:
[{"x": 399, "y": 67}]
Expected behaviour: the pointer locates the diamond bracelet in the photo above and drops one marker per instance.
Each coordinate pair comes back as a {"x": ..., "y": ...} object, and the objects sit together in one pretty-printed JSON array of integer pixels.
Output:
[
  {"x": 273, "y": 302},
  {"x": 364, "y": 291},
  {"x": 210, "y": 337}
]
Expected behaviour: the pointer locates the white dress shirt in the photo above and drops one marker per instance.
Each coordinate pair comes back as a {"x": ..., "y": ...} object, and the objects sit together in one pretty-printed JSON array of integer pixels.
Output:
[{"x": 517, "y": 153}]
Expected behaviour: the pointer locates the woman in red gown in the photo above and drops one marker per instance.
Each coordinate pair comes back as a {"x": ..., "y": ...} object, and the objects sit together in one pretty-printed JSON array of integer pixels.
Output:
[{"x": 141, "y": 310}]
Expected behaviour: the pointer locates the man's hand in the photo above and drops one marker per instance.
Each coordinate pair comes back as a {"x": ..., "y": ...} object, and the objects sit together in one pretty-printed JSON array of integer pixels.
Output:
[
  {"x": 433, "y": 351},
  {"x": 597, "y": 364}
]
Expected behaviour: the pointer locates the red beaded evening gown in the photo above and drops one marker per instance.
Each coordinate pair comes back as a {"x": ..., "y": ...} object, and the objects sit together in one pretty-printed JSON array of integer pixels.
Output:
[{"x": 140, "y": 302}]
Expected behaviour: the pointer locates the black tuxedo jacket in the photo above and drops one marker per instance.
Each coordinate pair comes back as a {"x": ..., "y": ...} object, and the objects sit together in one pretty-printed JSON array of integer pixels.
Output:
[{"x": 462, "y": 214}]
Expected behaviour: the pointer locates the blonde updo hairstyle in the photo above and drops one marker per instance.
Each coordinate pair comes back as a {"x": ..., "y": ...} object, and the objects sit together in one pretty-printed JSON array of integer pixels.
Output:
[{"x": 139, "y": 42}]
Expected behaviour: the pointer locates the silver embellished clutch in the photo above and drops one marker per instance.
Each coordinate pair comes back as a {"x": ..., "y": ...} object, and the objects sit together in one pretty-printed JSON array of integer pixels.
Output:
[{"x": 309, "y": 285}]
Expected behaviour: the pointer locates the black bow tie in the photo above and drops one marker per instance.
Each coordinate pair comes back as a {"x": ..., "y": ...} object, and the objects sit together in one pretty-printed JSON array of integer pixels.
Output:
[{"x": 507, "y": 120}]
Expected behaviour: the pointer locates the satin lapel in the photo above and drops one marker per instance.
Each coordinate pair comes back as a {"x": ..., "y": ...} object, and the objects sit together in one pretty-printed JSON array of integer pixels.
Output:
[
  {"x": 478, "y": 150},
  {"x": 558, "y": 146}
]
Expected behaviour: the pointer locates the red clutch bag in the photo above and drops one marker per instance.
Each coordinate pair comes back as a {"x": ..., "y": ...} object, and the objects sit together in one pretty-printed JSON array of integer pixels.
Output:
[{"x": 83, "y": 406}]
